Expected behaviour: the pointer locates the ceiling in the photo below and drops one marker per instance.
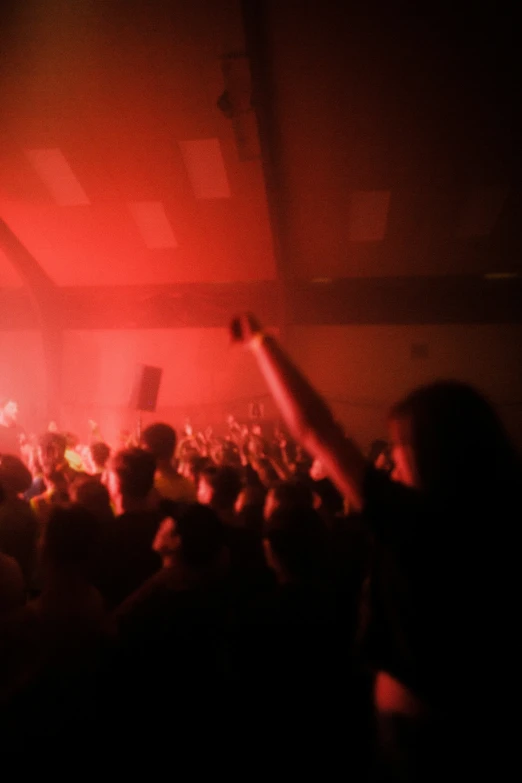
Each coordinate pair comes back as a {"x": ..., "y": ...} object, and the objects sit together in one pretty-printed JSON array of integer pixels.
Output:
[
  {"x": 123, "y": 95},
  {"x": 389, "y": 153}
]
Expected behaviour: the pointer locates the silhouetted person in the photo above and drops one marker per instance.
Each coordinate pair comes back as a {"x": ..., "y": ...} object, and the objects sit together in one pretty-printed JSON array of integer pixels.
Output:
[
  {"x": 10, "y": 431},
  {"x": 18, "y": 523},
  {"x": 440, "y": 632},
  {"x": 160, "y": 440},
  {"x": 219, "y": 488},
  {"x": 174, "y": 643},
  {"x": 49, "y": 650},
  {"x": 100, "y": 453},
  {"x": 130, "y": 559}
]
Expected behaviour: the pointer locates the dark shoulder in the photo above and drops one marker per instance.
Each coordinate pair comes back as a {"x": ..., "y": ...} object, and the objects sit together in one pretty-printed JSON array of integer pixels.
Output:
[
  {"x": 391, "y": 508},
  {"x": 148, "y": 594},
  {"x": 137, "y": 520}
]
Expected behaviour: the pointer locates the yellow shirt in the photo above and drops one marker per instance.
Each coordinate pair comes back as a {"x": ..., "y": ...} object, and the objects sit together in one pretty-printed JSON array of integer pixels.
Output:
[
  {"x": 74, "y": 460},
  {"x": 175, "y": 487}
]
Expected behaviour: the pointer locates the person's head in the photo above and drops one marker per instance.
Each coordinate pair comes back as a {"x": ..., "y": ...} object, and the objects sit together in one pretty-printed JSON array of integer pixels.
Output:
[
  {"x": 131, "y": 478},
  {"x": 295, "y": 545},
  {"x": 219, "y": 487},
  {"x": 100, "y": 453},
  {"x": 71, "y": 539},
  {"x": 51, "y": 451},
  {"x": 327, "y": 499},
  {"x": 160, "y": 440},
  {"x": 193, "y": 465},
  {"x": 196, "y": 537},
  {"x": 436, "y": 433},
  {"x": 90, "y": 493},
  {"x": 15, "y": 477},
  {"x": 288, "y": 495},
  {"x": 8, "y": 412},
  {"x": 71, "y": 440}
]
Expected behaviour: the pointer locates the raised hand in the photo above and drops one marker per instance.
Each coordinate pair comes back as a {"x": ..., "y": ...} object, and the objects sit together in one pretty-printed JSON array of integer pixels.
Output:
[
  {"x": 244, "y": 328},
  {"x": 306, "y": 414}
]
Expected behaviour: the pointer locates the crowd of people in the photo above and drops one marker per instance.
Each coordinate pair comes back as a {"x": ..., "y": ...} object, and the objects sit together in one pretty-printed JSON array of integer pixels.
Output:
[{"x": 273, "y": 591}]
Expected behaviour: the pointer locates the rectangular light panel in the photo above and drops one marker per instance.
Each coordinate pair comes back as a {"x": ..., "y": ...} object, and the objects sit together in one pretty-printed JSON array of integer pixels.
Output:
[
  {"x": 55, "y": 172},
  {"x": 205, "y": 168},
  {"x": 153, "y": 224}
]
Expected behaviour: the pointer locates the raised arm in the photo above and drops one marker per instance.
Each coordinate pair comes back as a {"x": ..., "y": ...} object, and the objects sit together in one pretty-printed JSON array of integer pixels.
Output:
[{"x": 304, "y": 411}]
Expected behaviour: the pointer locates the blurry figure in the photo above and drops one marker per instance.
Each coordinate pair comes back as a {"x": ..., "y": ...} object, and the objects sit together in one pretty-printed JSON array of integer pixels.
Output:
[
  {"x": 250, "y": 501},
  {"x": 295, "y": 545},
  {"x": 232, "y": 424},
  {"x": 194, "y": 541},
  {"x": 18, "y": 523},
  {"x": 32, "y": 460},
  {"x": 88, "y": 492},
  {"x": 190, "y": 442},
  {"x": 15, "y": 477},
  {"x": 265, "y": 470},
  {"x": 57, "y": 474},
  {"x": 100, "y": 453},
  {"x": 126, "y": 440},
  {"x": 73, "y": 458},
  {"x": 192, "y": 466},
  {"x": 442, "y": 598},
  {"x": 288, "y": 496},
  {"x": 52, "y": 639},
  {"x": 8, "y": 413},
  {"x": 174, "y": 631},
  {"x": 380, "y": 455},
  {"x": 95, "y": 435},
  {"x": 131, "y": 479},
  {"x": 70, "y": 547},
  {"x": 129, "y": 558},
  {"x": 160, "y": 440},
  {"x": 250, "y": 495},
  {"x": 51, "y": 454},
  {"x": 256, "y": 411},
  {"x": 299, "y": 623},
  {"x": 219, "y": 488},
  {"x": 10, "y": 432},
  {"x": 56, "y": 493},
  {"x": 12, "y": 587},
  {"x": 330, "y": 502}
]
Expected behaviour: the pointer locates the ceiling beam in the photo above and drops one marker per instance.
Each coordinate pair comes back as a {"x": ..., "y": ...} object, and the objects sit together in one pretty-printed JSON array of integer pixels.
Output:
[
  {"x": 364, "y": 301},
  {"x": 254, "y": 25}
]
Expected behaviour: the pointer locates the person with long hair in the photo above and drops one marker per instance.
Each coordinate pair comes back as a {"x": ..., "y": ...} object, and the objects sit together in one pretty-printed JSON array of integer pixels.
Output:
[{"x": 440, "y": 622}]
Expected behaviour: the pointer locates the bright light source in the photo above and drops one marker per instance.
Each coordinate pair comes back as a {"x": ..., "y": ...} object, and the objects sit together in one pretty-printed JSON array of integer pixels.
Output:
[
  {"x": 153, "y": 224},
  {"x": 55, "y": 172}
]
